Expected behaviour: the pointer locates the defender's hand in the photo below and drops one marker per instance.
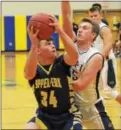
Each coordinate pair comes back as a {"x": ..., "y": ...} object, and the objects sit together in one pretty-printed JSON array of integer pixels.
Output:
[{"x": 54, "y": 23}]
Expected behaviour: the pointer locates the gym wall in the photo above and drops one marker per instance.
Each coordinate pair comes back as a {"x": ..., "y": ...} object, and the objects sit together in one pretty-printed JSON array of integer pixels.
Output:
[{"x": 15, "y": 16}]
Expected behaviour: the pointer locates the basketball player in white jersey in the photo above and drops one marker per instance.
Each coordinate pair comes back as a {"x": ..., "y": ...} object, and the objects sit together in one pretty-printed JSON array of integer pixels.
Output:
[
  {"x": 104, "y": 44},
  {"x": 86, "y": 72}
]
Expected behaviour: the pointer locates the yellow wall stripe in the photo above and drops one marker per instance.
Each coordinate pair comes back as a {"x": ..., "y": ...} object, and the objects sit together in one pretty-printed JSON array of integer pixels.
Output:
[
  {"x": 20, "y": 33},
  {"x": 60, "y": 41},
  {"x": 3, "y": 44},
  {"x": 3, "y": 67}
]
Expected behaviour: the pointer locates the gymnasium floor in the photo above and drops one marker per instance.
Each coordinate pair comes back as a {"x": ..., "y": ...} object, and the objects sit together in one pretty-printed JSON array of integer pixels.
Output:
[{"x": 18, "y": 102}]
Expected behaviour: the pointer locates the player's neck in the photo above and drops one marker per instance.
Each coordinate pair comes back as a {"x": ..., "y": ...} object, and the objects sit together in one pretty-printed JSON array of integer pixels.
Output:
[
  {"x": 46, "y": 61},
  {"x": 84, "y": 46}
]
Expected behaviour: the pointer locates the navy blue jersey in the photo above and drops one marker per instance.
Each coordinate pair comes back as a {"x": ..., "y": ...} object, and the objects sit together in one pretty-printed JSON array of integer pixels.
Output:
[{"x": 52, "y": 87}]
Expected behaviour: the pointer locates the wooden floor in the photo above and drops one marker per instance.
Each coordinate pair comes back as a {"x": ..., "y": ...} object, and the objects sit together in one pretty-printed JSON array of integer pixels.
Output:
[{"x": 18, "y": 102}]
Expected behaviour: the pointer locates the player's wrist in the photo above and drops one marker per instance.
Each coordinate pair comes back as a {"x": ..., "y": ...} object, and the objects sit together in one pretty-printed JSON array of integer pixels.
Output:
[
  {"x": 33, "y": 48},
  {"x": 59, "y": 30}
]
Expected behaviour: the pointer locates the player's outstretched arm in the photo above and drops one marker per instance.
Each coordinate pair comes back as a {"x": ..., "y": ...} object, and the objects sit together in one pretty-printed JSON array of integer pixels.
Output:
[
  {"x": 71, "y": 55},
  {"x": 67, "y": 19},
  {"x": 31, "y": 62}
]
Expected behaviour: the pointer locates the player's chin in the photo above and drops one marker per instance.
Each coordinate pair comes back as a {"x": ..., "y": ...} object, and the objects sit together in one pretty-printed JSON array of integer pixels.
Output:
[
  {"x": 79, "y": 39},
  {"x": 53, "y": 53}
]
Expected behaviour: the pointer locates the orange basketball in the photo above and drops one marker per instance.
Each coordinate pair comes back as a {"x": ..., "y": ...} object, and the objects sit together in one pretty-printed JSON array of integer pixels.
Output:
[{"x": 41, "y": 21}]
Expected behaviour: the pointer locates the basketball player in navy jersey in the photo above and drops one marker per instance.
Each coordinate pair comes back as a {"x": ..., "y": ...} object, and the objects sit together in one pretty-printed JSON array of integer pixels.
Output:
[
  {"x": 86, "y": 72},
  {"x": 49, "y": 77}
]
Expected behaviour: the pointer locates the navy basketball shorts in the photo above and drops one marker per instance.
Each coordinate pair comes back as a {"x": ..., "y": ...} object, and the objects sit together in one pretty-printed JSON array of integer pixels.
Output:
[{"x": 59, "y": 122}]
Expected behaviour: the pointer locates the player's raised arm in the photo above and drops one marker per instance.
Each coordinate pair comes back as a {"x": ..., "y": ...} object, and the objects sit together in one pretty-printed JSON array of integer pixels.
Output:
[
  {"x": 31, "y": 62},
  {"x": 71, "y": 55},
  {"x": 67, "y": 19}
]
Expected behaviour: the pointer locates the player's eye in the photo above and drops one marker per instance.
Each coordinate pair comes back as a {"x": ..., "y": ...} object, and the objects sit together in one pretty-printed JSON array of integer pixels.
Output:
[
  {"x": 48, "y": 43},
  {"x": 85, "y": 27}
]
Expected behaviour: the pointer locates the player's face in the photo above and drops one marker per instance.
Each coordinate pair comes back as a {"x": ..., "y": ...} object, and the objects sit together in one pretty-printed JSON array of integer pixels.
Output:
[
  {"x": 47, "y": 48},
  {"x": 85, "y": 33},
  {"x": 95, "y": 16}
]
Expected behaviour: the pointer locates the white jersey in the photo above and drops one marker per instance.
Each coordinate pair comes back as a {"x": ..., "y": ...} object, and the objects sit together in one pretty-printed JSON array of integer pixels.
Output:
[
  {"x": 98, "y": 43},
  {"x": 90, "y": 95}
]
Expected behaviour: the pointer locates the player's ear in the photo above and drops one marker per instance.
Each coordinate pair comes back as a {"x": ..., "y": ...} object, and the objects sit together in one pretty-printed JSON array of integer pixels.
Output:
[
  {"x": 94, "y": 35},
  {"x": 40, "y": 51}
]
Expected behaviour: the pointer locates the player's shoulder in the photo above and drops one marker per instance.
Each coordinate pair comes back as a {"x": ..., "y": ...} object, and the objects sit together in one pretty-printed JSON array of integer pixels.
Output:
[
  {"x": 94, "y": 52},
  {"x": 60, "y": 61}
]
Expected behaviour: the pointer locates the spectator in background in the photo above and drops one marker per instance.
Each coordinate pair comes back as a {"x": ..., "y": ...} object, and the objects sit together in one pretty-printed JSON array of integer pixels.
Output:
[
  {"x": 100, "y": 8},
  {"x": 118, "y": 43},
  {"x": 119, "y": 35}
]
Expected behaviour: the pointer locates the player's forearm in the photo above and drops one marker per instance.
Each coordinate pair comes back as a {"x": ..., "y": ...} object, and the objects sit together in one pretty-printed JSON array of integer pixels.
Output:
[
  {"x": 107, "y": 49},
  {"x": 31, "y": 64},
  {"x": 67, "y": 19},
  {"x": 84, "y": 80},
  {"x": 69, "y": 45},
  {"x": 66, "y": 8},
  {"x": 80, "y": 84},
  {"x": 77, "y": 86},
  {"x": 107, "y": 41}
]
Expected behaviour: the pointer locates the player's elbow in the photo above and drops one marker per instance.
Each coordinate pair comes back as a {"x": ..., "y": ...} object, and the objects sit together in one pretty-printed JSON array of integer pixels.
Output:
[
  {"x": 78, "y": 86},
  {"x": 29, "y": 75}
]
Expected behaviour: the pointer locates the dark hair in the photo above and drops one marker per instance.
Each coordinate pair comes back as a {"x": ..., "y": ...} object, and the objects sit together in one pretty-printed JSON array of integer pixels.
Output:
[
  {"x": 93, "y": 9},
  {"x": 95, "y": 26},
  {"x": 97, "y": 5},
  {"x": 51, "y": 39},
  {"x": 48, "y": 39}
]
